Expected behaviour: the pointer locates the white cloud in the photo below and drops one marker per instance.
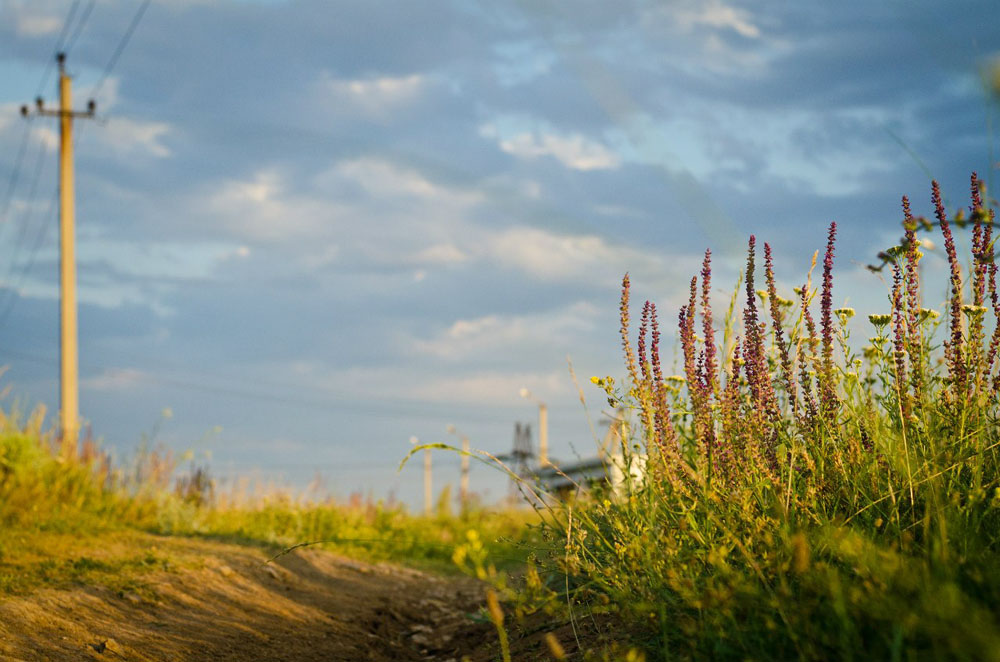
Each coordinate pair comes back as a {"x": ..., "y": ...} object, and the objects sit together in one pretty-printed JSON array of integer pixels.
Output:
[
  {"x": 366, "y": 210},
  {"x": 468, "y": 337},
  {"x": 574, "y": 151},
  {"x": 440, "y": 254},
  {"x": 127, "y": 136},
  {"x": 576, "y": 257},
  {"x": 37, "y": 25},
  {"x": 262, "y": 208},
  {"x": 717, "y": 14},
  {"x": 378, "y": 96},
  {"x": 384, "y": 178},
  {"x": 47, "y": 137}
]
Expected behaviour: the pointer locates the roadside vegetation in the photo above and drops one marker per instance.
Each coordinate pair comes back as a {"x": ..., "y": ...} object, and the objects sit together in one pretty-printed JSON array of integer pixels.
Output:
[
  {"x": 56, "y": 502},
  {"x": 808, "y": 495}
]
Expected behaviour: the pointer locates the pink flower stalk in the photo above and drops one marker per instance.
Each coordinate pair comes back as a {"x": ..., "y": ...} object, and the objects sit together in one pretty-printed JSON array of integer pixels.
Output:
[
  {"x": 805, "y": 380},
  {"x": 953, "y": 346},
  {"x": 665, "y": 435},
  {"x": 755, "y": 359},
  {"x": 777, "y": 319},
  {"x": 626, "y": 345},
  {"x": 711, "y": 362},
  {"x": 899, "y": 340},
  {"x": 914, "y": 333},
  {"x": 828, "y": 390},
  {"x": 643, "y": 364}
]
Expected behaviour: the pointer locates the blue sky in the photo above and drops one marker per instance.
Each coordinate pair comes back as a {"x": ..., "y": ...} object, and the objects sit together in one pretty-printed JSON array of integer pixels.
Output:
[{"x": 313, "y": 229}]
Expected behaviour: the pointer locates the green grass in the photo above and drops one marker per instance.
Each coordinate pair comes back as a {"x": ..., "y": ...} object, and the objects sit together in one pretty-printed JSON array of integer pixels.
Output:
[
  {"x": 54, "y": 507},
  {"x": 807, "y": 496}
]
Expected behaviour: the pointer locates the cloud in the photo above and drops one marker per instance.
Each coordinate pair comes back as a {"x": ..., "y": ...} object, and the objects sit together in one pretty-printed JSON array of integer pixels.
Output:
[
  {"x": 384, "y": 178},
  {"x": 509, "y": 333},
  {"x": 37, "y": 25},
  {"x": 718, "y": 15},
  {"x": 441, "y": 254},
  {"x": 128, "y": 137},
  {"x": 264, "y": 208},
  {"x": 579, "y": 258},
  {"x": 573, "y": 151},
  {"x": 380, "y": 96},
  {"x": 47, "y": 136}
]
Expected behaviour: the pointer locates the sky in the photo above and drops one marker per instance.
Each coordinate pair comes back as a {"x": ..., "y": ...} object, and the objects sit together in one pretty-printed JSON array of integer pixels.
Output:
[{"x": 309, "y": 230}]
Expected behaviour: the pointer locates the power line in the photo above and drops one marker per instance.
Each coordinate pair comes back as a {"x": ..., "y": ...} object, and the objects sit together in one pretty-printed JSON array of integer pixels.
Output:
[
  {"x": 121, "y": 46},
  {"x": 23, "y": 230},
  {"x": 11, "y": 292},
  {"x": 59, "y": 43},
  {"x": 335, "y": 402},
  {"x": 79, "y": 27},
  {"x": 15, "y": 174}
]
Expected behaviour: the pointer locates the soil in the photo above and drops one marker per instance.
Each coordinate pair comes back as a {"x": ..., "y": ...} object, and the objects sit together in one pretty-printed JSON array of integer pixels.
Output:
[{"x": 219, "y": 601}]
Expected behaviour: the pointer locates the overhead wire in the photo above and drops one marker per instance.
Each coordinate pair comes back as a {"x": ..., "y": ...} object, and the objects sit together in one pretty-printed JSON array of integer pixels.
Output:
[
  {"x": 71, "y": 42},
  {"x": 59, "y": 44},
  {"x": 11, "y": 290},
  {"x": 122, "y": 43},
  {"x": 15, "y": 175},
  {"x": 197, "y": 383},
  {"x": 7, "y": 295}
]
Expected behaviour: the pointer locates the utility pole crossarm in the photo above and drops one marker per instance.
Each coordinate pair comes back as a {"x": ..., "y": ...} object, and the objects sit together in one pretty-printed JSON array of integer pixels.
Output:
[{"x": 68, "y": 362}]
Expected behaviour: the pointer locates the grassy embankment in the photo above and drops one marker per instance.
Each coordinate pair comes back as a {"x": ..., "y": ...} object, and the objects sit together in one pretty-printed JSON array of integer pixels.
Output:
[
  {"x": 71, "y": 518},
  {"x": 808, "y": 496}
]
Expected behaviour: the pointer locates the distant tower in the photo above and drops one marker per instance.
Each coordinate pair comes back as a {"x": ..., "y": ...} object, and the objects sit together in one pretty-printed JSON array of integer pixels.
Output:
[{"x": 520, "y": 457}]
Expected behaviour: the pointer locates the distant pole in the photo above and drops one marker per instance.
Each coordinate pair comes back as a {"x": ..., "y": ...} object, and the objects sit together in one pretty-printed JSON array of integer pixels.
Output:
[
  {"x": 543, "y": 434},
  {"x": 428, "y": 492},
  {"x": 69, "y": 408},
  {"x": 464, "y": 485},
  {"x": 463, "y": 494},
  {"x": 543, "y": 427}
]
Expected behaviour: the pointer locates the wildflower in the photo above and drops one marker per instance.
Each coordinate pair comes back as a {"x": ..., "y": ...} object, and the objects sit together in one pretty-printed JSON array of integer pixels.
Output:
[
  {"x": 895, "y": 252},
  {"x": 844, "y": 314},
  {"x": 880, "y": 320},
  {"x": 776, "y": 321},
  {"x": 952, "y": 346},
  {"x": 928, "y": 314},
  {"x": 710, "y": 367},
  {"x": 974, "y": 311},
  {"x": 828, "y": 392}
]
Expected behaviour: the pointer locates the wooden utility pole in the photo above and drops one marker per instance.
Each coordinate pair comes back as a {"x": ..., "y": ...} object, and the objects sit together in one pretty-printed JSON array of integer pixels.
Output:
[
  {"x": 69, "y": 408},
  {"x": 463, "y": 494},
  {"x": 543, "y": 434},
  {"x": 428, "y": 490},
  {"x": 543, "y": 427}
]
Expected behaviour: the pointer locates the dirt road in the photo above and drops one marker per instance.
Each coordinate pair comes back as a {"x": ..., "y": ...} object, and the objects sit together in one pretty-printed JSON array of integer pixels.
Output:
[{"x": 216, "y": 601}]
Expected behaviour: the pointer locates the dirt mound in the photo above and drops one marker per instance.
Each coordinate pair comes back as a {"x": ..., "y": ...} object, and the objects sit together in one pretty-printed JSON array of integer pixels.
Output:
[{"x": 220, "y": 602}]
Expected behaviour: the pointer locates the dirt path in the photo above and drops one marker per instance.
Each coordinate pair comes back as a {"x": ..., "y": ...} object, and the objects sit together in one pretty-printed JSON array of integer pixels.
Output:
[{"x": 218, "y": 602}]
